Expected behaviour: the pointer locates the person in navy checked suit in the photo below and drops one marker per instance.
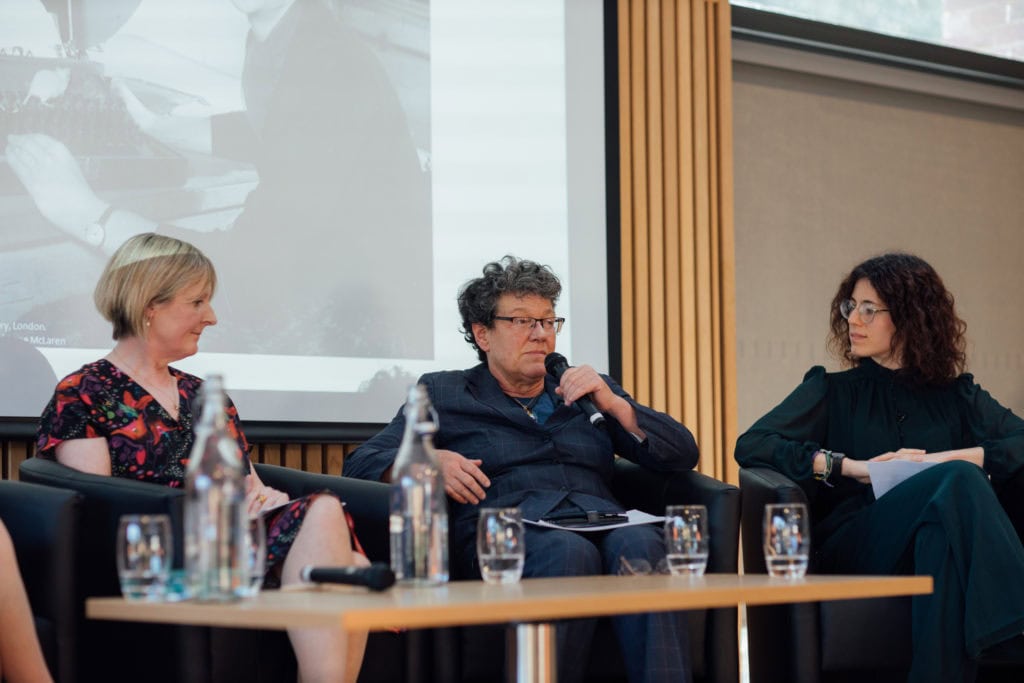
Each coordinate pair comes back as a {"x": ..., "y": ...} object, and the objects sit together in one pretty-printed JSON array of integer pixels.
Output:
[{"x": 510, "y": 435}]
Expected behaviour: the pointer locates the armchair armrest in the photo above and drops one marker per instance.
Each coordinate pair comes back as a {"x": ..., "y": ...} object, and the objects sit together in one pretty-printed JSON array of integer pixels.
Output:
[
  {"x": 643, "y": 489},
  {"x": 43, "y": 524},
  {"x": 366, "y": 501},
  {"x": 791, "y": 630},
  {"x": 1011, "y": 497},
  {"x": 713, "y": 633},
  {"x": 761, "y": 486},
  {"x": 105, "y": 500}
]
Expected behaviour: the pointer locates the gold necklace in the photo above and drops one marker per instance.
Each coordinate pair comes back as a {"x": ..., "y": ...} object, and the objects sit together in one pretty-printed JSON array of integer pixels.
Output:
[
  {"x": 168, "y": 398},
  {"x": 528, "y": 405}
]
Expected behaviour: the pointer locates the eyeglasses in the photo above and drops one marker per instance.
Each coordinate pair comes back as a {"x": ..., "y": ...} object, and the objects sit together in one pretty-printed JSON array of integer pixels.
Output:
[
  {"x": 865, "y": 310},
  {"x": 524, "y": 324}
]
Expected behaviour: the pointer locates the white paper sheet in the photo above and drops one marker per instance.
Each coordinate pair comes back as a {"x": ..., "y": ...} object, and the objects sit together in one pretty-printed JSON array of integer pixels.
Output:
[
  {"x": 634, "y": 518},
  {"x": 887, "y": 474}
]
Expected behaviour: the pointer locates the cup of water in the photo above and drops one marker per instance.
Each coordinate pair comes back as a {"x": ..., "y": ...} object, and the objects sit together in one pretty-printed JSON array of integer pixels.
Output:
[
  {"x": 787, "y": 539},
  {"x": 686, "y": 539},
  {"x": 500, "y": 544},
  {"x": 144, "y": 555}
]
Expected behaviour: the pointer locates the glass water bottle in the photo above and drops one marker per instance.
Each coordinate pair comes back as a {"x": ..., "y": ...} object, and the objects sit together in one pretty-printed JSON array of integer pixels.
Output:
[
  {"x": 419, "y": 509},
  {"x": 215, "y": 516}
]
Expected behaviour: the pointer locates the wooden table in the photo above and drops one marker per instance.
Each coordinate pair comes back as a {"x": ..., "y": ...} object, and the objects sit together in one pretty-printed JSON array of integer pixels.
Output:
[{"x": 530, "y": 605}]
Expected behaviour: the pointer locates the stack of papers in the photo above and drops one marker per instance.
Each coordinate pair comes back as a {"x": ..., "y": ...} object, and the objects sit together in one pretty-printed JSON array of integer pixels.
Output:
[{"x": 885, "y": 475}]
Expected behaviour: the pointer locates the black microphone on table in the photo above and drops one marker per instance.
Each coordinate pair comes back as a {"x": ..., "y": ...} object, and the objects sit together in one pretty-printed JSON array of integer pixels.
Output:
[
  {"x": 377, "y": 577},
  {"x": 556, "y": 364}
]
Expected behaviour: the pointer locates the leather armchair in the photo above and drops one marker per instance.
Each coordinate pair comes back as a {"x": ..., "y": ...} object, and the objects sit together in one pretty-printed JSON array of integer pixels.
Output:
[
  {"x": 478, "y": 654},
  {"x": 168, "y": 653},
  {"x": 844, "y": 640},
  {"x": 44, "y": 525},
  {"x": 149, "y": 651}
]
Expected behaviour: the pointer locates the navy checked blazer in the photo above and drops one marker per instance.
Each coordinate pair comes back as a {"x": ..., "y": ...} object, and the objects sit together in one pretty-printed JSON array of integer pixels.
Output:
[{"x": 531, "y": 466}]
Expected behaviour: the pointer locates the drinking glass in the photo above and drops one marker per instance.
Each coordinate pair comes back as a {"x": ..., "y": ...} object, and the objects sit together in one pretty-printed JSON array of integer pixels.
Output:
[
  {"x": 686, "y": 539},
  {"x": 787, "y": 539},
  {"x": 500, "y": 544},
  {"x": 255, "y": 556},
  {"x": 144, "y": 555}
]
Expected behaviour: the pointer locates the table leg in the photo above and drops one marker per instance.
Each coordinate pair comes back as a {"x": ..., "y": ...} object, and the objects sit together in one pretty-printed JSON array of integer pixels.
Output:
[{"x": 531, "y": 654}]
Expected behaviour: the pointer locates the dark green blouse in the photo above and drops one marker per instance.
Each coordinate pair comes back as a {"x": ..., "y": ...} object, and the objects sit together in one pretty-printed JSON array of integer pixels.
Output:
[{"x": 871, "y": 410}]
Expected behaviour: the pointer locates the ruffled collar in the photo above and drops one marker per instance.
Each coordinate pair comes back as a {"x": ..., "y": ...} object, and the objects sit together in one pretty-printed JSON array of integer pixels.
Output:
[
  {"x": 869, "y": 368},
  {"x": 872, "y": 369}
]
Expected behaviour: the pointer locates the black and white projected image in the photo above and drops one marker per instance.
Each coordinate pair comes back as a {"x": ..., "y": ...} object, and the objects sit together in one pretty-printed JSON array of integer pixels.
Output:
[
  {"x": 288, "y": 139},
  {"x": 347, "y": 164}
]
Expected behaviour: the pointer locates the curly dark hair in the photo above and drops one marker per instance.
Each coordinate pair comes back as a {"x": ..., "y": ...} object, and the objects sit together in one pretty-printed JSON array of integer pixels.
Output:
[
  {"x": 478, "y": 298},
  {"x": 929, "y": 333}
]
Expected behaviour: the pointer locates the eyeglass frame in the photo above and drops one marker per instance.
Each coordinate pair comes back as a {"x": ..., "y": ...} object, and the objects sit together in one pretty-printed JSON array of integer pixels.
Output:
[
  {"x": 866, "y": 318},
  {"x": 555, "y": 323}
]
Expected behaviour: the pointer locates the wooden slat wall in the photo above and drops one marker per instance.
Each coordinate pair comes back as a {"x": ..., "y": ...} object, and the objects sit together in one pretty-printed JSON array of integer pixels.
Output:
[
  {"x": 324, "y": 458},
  {"x": 678, "y": 292},
  {"x": 12, "y": 453}
]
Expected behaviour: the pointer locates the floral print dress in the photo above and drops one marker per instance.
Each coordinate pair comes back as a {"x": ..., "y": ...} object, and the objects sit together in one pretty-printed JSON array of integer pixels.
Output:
[{"x": 146, "y": 443}]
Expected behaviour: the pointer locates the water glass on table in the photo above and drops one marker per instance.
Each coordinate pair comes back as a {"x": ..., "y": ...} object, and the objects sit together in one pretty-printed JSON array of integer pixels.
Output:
[
  {"x": 686, "y": 539},
  {"x": 787, "y": 539},
  {"x": 145, "y": 552},
  {"x": 500, "y": 544}
]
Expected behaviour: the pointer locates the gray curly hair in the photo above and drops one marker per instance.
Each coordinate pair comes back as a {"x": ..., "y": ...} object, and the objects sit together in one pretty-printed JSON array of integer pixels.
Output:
[{"x": 478, "y": 298}]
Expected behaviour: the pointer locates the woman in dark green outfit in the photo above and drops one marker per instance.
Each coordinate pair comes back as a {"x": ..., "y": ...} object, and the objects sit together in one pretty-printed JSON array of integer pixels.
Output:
[{"x": 894, "y": 323}]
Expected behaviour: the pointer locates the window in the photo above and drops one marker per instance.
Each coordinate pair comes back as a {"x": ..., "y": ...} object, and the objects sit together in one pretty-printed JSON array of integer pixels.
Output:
[{"x": 992, "y": 27}]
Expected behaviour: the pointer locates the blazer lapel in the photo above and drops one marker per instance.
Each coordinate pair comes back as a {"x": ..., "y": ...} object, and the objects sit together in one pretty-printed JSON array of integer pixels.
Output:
[{"x": 484, "y": 388}]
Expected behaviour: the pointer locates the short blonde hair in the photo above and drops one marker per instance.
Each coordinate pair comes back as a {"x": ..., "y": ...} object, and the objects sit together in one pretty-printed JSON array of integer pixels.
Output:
[{"x": 148, "y": 269}]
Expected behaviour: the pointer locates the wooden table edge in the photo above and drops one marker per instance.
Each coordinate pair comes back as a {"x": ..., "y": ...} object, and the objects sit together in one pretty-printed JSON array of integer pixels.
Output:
[{"x": 379, "y": 615}]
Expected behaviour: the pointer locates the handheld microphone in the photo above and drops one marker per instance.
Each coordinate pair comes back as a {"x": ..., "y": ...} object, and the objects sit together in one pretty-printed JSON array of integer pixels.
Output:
[
  {"x": 377, "y": 577},
  {"x": 556, "y": 364}
]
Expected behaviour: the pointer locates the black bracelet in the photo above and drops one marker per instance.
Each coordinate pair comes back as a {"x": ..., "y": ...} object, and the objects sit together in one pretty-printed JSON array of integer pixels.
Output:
[{"x": 837, "y": 469}]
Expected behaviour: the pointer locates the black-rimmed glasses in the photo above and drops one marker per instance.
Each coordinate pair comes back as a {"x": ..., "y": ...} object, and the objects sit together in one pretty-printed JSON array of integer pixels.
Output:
[
  {"x": 865, "y": 310},
  {"x": 525, "y": 324}
]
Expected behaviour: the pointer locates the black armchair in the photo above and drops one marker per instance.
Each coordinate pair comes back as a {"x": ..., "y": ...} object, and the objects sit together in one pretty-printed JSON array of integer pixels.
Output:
[
  {"x": 194, "y": 653},
  {"x": 846, "y": 640},
  {"x": 477, "y": 654},
  {"x": 44, "y": 525},
  {"x": 105, "y": 499}
]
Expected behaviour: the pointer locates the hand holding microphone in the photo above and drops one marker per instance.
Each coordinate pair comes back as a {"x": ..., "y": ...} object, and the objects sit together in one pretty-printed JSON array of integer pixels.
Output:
[{"x": 556, "y": 365}]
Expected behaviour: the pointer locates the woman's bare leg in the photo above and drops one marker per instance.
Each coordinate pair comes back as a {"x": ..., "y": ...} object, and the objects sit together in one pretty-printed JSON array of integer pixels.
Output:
[{"x": 324, "y": 655}]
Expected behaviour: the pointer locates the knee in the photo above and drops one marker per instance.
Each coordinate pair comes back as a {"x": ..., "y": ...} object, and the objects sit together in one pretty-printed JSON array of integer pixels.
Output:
[
  {"x": 962, "y": 490},
  {"x": 568, "y": 555},
  {"x": 326, "y": 515},
  {"x": 633, "y": 543},
  {"x": 962, "y": 478}
]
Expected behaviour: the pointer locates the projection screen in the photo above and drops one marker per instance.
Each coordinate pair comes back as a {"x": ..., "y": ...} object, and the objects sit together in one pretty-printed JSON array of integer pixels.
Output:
[{"x": 347, "y": 165}]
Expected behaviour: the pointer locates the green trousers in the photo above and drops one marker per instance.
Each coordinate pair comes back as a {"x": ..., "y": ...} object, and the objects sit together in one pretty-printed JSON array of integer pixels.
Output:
[{"x": 947, "y": 522}]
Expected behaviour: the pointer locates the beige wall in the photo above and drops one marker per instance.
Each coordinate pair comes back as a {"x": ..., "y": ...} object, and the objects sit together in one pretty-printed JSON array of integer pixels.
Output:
[{"x": 830, "y": 171}]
